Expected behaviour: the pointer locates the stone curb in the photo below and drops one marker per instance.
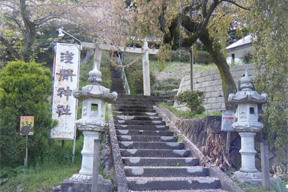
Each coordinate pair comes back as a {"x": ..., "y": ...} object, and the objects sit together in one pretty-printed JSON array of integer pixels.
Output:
[
  {"x": 117, "y": 161},
  {"x": 226, "y": 183}
]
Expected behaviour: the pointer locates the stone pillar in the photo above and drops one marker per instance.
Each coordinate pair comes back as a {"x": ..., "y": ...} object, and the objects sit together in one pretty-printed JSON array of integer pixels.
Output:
[
  {"x": 247, "y": 152},
  {"x": 88, "y": 152},
  {"x": 146, "y": 72},
  {"x": 97, "y": 56}
]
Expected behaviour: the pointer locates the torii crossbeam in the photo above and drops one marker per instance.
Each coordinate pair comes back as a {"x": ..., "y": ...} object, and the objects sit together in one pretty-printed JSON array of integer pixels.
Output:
[{"x": 145, "y": 51}]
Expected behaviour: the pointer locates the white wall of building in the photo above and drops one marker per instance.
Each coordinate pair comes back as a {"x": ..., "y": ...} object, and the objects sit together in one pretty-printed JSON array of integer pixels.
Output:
[{"x": 239, "y": 54}]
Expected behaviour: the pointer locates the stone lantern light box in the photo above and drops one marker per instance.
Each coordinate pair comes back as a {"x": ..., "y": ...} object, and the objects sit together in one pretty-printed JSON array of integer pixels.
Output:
[{"x": 247, "y": 100}]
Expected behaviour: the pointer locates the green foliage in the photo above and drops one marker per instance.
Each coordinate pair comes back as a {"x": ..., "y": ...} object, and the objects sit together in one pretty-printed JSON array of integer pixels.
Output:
[
  {"x": 134, "y": 74},
  {"x": 279, "y": 186},
  {"x": 24, "y": 90},
  {"x": 186, "y": 114},
  {"x": 136, "y": 81},
  {"x": 46, "y": 173},
  {"x": 193, "y": 100},
  {"x": 268, "y": 24},
  {"x": 203, "y": 57}
]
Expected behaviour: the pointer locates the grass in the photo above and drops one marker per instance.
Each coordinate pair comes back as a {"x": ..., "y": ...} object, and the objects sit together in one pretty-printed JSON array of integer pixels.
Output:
[
  {"x": 178, "y": 70},
  {"x": 46, "y": 173},
  {"x": 274, "y": 186},
  {"x": 186, "y": 114},
  {"x": 40, "y": 178},
  {"x": 279, "y": 186}
]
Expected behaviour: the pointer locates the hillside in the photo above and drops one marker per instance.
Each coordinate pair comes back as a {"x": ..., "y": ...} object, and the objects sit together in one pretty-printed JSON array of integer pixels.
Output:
[{"x": 169, "y": 79}]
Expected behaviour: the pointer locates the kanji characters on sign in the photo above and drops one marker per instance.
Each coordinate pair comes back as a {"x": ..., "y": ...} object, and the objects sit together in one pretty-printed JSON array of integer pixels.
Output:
[
  {"x": 67, "y": 57},
  {"x": 65, "y": 74},
  {"x": 61, "y": 91}
]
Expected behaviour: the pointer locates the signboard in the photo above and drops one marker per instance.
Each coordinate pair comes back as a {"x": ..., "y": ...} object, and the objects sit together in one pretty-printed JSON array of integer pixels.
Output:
[
  {"x": 64, "y": 105},
  {"x": 228, "y": 118},
  {"x": 26, "y": 125}
]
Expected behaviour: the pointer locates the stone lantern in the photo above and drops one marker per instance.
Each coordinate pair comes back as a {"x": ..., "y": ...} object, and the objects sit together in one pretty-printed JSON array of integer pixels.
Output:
[
  {"x": 247, "y": 125},
  {"x": 92, "y": 123}
]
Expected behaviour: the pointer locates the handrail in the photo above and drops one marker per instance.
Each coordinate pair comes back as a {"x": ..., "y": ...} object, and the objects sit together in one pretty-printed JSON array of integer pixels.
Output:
[{"x": 123, "y": 76}]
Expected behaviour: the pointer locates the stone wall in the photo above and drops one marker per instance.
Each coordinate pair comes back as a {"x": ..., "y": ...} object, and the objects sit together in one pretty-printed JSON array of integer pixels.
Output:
[
  {"x": 211, "y": 83},
  {"x": 196, "y": 130}
]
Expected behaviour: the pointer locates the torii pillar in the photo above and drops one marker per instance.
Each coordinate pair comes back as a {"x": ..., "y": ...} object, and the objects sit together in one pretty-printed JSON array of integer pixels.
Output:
[{"x": 146, "y": 71}]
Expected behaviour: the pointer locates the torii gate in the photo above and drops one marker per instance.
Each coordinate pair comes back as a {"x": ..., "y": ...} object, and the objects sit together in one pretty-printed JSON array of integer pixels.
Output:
[{"x": 145, "y": 51}]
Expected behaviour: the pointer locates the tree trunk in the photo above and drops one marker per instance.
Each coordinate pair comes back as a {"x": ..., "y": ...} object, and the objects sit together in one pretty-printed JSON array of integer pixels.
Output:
[
  {"x": 228, "y": 84},
  {"x": 29, "y": 31}
]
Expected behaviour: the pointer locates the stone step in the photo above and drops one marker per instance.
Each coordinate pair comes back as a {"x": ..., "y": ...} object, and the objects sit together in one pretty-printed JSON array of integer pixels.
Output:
[
  {"x": 145, "y": 145},
  {"x": 160, "y": 161},
  {"x": 142, "y": 127},
  {"x": 140, "y": 98},
  {"x": 190, "y": 190},
  {"x": 140, "y": 122},
  {"x": 172, "y": 183},
  {"x": 147, "y": 139},
  {"x": 134, "y": 102},
  {"x": 167, "y": 171},
  {"x": 143, "y": 132},
  {"x": 154, "y": 153},
  {"x": 136, "y": 117},
  {"x": 132, "y": 106},
  {"x": 135, "y": 113},
  {"x": 134, "y": 110}
]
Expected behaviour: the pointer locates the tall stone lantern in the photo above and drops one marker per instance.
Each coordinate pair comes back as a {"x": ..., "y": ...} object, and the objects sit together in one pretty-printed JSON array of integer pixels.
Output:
[
  {"x": 247, "y": 125},
  {"x": 92, "y": 123}
]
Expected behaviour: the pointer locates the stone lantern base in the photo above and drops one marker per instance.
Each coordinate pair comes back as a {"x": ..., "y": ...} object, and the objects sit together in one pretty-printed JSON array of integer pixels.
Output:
[
  {"x": 72, "y": 185},
  {"x": 250, "y": 178}
]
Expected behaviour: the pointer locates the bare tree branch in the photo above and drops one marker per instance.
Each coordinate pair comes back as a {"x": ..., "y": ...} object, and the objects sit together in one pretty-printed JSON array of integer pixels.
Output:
[
  {"x": 10, "y": 47},
  {"x": 12, "y": 19},
  {"x": 204, "y": 8},
  {"x": 204, "y": 24},
  {"x": 234, "y": 3}
]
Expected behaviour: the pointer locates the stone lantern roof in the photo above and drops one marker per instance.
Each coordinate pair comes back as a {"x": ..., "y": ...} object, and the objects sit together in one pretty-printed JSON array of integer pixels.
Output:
[
  {"x": 95, "y": 90},
  {"x": 247, "y": 95}
]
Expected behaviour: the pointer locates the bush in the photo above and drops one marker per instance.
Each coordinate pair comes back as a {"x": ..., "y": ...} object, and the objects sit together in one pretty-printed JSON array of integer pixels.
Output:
[
  {"x": 136, "y": 81},
  {"x": 202, "y": 58},
  {"x": 193, "y": 100},
  {"x": 180, "y": 56},
  {"x": 24, "y": 89}
]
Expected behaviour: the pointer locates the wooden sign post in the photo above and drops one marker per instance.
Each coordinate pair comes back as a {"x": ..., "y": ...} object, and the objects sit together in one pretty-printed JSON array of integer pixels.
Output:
[{"x": 26, "y": 128}]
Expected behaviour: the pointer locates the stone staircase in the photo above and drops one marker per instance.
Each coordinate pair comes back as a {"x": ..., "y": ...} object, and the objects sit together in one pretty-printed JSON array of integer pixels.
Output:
[
  {"x": 152, "y": 157},
  {"x": 117, "y": 83}
]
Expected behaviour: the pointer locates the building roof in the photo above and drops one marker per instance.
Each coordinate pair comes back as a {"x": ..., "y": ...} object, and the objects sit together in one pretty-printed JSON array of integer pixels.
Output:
[{"x": 241, "y": 42}]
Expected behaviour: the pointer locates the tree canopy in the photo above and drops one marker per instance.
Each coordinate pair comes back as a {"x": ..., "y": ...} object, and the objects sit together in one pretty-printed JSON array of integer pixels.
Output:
[
  {"x": 267, "y": 21},
  {"x": 184, "y": 22},
  {"x": 29, "y": 25}
]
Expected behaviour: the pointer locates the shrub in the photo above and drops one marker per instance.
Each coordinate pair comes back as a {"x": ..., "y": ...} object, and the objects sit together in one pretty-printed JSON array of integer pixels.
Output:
[
  {"x": 202, "y": 58},
  {"x": 136, "y": 81},
  {"x": 182, "y": 56},
  {"x": 193, "y": 100},
  {"x": 24, "y": 89}
]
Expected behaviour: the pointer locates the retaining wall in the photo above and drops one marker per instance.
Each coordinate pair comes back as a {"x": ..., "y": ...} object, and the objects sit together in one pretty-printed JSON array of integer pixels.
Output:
[
  {"x": 196, "y": 130},
  {"x": 210, "y": 82}
]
